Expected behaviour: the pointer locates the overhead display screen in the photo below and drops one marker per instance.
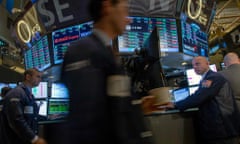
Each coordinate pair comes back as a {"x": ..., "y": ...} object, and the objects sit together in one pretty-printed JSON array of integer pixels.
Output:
[
  {"x": 139, "y": 30},
  {"x": 63, "y": 37},
  {"x": 194, "y": 40},
  {"x": 38, "y": 55},
  {"x": 168, "y": 37}
]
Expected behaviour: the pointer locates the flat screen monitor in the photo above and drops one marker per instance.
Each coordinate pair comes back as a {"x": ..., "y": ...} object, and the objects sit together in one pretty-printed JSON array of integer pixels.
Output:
[
  {"x": 194, "y": 40},
  {"x": 192, "y": 77},
  {"x": 38, "y": 55},
  {"x": 42, "y": 104},
  {"x": 193, "y": 89},
  {"x": 41, "y": 91},
  {"x": 63, "y": 37},
  {"x": 2, "y": 85},
  {"x": 180, "y": 94},
  {"x": 12, "y": 85},
  {"x": 213, "y": 67},
  {"x": 59, "y": 90},
  {"x": 58, "y": 108},
  {"x": 139, "y": 30},
  {"x": 167, "y": 32}
]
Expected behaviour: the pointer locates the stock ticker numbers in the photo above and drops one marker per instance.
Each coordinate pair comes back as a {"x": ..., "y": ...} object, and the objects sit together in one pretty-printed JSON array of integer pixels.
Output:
[
  {"x": 139, "y": 30},
  {"x": 38, "y": 55},
  {"x": 63, "y": 37}
]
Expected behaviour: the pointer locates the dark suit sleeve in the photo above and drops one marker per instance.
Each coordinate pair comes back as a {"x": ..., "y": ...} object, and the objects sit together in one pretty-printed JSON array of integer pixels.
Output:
[{"x": 203, "y": 94}]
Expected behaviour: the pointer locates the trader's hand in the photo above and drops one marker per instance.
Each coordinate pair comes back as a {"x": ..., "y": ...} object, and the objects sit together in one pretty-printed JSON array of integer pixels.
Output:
[
  {"x": 40, "y": 141},
  {"x": 148, "y": 104}
]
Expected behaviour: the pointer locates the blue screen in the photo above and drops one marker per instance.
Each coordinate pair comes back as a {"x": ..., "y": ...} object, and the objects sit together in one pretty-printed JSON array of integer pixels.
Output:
[
  {"x": 12, "y": 85},
  {"x": 63, "y": 37},
  {"x": 194, "y": 40},
  {"x": 59, "y": 90}
]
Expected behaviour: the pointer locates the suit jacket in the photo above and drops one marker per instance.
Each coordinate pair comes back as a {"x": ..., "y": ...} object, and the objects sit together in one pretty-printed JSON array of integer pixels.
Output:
[
  {"x": 94, "y": 116},
  {"x": 231, "y": 74},
  {"x": 218, "y": 115},
  {"x": 19, "y": 117}
]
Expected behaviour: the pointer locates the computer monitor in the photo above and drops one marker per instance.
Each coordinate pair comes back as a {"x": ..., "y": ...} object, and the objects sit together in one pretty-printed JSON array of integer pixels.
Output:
[
  {"x": 213, "y": 67},
  {"x": 41, "y": 91},
  {"x": 141, "y": 27},
  {"x": 3, "y": 85},
  {"x": 194, "y": 40},
  {"x": 180, "y": 94},
  {"x": 192, "y": 77},
  {"x": 193, "y": 89},
  {"x": 12, "y": 85},
  {"x": 62, "y": 38},
  {"x": 38, "y": 55},
  {"x": 59, "y": 90},
  {"x": 58, "y": 108},
  {"x": 42, "y": 104}
]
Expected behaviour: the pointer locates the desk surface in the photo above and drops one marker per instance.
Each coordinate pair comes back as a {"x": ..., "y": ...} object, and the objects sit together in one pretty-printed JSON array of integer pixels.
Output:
[{"x": 171, "y": 111}]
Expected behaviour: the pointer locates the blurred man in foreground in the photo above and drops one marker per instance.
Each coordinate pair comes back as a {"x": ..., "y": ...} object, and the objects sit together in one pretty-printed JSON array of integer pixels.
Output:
[{"x": 101, "y": 110}]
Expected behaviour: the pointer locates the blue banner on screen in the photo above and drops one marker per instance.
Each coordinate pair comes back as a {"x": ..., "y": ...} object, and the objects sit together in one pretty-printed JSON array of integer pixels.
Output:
[{"x": 9, "y": 5}]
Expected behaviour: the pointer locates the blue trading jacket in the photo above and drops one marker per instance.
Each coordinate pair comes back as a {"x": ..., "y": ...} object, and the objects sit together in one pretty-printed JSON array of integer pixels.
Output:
[{"x": 19, "y": 117}]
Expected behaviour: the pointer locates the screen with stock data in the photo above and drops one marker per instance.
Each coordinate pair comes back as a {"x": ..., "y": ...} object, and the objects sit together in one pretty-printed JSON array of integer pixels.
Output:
[
  {"x": 59, "y": 90},
  {"x": 63, "y": 37},
  {"x": 139, "y": 30},
  {"x": 40, "y": 91},
  {"x": 38, "y": 55},
  {"x": 194, "y": 40}
]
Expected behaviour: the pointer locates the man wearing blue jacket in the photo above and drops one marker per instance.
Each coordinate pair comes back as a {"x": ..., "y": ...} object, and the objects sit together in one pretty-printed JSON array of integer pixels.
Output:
[
  {"x": 20, "y": 113},
  {"x": 218, "y": 117}
]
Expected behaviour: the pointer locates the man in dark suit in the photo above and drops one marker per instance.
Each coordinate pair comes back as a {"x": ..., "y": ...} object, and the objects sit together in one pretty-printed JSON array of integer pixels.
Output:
[
  {"x": 100, "y": 102},
  {"x": 218, "y": 118},
  {"x": 231, "y": 73}
]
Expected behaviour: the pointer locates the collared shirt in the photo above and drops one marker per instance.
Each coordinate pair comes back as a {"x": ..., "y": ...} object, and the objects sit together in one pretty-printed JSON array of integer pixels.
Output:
[
  {"x": 204, "y": 74},
  {"x": 103, "y": 37}
]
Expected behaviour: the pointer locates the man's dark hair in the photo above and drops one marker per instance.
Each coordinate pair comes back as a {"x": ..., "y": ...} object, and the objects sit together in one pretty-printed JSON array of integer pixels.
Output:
[
  {"x": 29, "y": 72},
  {"x": 4, "y": 91},
  {"x": 95, "y": 8}
]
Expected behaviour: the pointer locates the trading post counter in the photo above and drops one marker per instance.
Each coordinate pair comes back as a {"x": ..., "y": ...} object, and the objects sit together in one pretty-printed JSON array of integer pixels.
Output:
[{"x": 172, "y": 126}]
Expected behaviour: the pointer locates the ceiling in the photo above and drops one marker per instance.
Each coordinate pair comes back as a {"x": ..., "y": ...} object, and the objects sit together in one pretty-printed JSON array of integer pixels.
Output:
[{"x": 227, "y": 18}]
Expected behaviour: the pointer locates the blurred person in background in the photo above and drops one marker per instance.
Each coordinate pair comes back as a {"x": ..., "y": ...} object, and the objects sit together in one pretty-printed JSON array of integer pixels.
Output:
[
  {"x": 218, "y": 116},
  {"x": 20, "y": 112},
  {"x": 4, "y": 91},
  {"x": 231, "y": 73}
]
